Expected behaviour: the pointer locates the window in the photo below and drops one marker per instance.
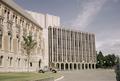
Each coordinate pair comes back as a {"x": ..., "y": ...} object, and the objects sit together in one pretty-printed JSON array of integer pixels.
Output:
[
  {"x": 16, "y": 19},
  {"x": 18, "y": 62},
  {"x": 40, "y": 63},
  {"x": 1, "y": 59},
  {"x": 18, "y": 41},
  {"x": 10, "y": 39},
  {"x": 5, "y": 10},
  {"x": 8, "y": 15},
  {"x": 30, "y": 64},
  {"x": 10, "y": 61},
  {"x": 0, "y": 6},
  {"x": 0, "y": 38}
]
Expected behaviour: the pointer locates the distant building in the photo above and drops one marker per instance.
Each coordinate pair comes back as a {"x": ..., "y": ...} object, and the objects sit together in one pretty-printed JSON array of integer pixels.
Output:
[
  {"x": 71, "y": 50},
  {"x": 56, "y": 47}
]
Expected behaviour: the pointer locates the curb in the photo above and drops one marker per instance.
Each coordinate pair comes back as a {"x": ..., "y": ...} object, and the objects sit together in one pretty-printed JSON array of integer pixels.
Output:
[{"x": 59, "y": 78}]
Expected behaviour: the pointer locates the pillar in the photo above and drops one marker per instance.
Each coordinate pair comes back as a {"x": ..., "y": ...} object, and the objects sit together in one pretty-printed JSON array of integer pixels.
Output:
[{"x": 94, "y": 66}]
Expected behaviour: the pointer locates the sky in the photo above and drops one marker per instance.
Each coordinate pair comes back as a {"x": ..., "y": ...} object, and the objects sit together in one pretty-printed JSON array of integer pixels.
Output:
[{"x": 101, "y": 17}]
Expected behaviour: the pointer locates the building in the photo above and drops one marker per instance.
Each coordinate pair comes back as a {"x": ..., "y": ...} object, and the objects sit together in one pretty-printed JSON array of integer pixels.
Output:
[
  {"x": 57, "y": 47},
  {"x": 14, "y": 23},
  {"x": 71, "y": 50},
  {"x": 45, "y": 20}
]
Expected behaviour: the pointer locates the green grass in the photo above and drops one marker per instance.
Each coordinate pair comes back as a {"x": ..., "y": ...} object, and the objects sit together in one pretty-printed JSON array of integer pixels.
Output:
[{"x": 26, "y": 76}]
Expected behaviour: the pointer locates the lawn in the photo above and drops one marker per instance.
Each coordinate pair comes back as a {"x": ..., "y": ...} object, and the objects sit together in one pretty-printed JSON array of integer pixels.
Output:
[{"x": 26, "y": 76}]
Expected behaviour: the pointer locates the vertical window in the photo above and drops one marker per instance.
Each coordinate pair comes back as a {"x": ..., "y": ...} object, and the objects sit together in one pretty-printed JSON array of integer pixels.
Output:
[
  {"x": 40, "y": 63},
  {"x": 11, "y": 61},
  {"x": 1, "y": 59},
  {"x": 10, "y": 39},
  {"x": 5, "y": 10},
  {"x": 0, "y": 6},
  {"x": 0, "y": 39},
  {"x": 18, "y": 41},
  {"x": 16, "y": 19},
  {"x": 30, "y": 64},
  {"x": 18, "y": 62},
  {"x": 8, "y": 15}
]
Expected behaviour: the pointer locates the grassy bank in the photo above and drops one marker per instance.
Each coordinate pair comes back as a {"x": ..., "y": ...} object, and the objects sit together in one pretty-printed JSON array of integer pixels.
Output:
[{"x": 25, "y": 76}]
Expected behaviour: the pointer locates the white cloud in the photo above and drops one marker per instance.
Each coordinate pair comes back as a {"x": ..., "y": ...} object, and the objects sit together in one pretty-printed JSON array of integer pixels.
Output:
[
  {"x": 106, "y": 42},
  {"x": 109, "y": 46},
  {"x": 89, "y": 9}
]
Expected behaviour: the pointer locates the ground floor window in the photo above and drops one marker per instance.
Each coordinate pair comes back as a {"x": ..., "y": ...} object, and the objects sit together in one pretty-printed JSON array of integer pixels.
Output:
[
  {"x": 1, "y": 38},
  {"x": 1, "y": 59},
  {"x": 10, "y": 61},
  {"x": 30, "y": 64},
  {"x": 18, "y": 62}
]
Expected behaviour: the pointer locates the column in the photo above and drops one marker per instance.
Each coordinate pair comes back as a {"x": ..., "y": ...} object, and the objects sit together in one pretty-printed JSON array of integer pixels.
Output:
[
  {"x": 64, "y": 66},
  {"x": 81, "y": 41},
  {"x": 59, "y": 66},
  {"x": 80, "y": 66},
  {"x": 61, "y": 45},
  {"x": 5, "y": 38},
  {"x": 88, "y": 49},
  {"x": 95, "y": 60},
  {"x": 85, "y": 47},
  {"x": 76, "y": 66},
  {"x": 70, "y": 56},
  {"x": 68, "y": 66},
  {"x": 78, "y": 48},
  {"x": 52, "y": 46},
  {"x": 74, "y": 47},
  {"x": 66, "y": 46},
  {"x": 88, "y": 66},
  {"x": 94, "y": 66},
  {"x": 57, "y": 43},
  {"x": 91, "y": 48}
]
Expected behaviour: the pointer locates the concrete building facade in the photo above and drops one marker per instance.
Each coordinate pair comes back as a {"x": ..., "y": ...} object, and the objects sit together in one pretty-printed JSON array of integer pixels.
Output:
[
  {"x": 71, "y": 50},
  {"x": 45, "y": 21}
]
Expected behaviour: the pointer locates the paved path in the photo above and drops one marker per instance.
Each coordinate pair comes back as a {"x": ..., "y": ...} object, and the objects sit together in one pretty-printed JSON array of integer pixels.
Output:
[{"x": 89, "y": 75}]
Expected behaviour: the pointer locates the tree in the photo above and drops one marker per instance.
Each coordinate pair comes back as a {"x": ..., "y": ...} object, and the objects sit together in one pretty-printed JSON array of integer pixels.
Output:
[
  {"x": 100, "y": 60},
  {"x": 111, "y": 60},
  {"x": 107, "y": 61},
  {"x": 28, "y": 45}
]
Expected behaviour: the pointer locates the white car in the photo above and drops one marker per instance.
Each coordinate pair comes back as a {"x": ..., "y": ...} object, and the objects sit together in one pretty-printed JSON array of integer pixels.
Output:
[{"x": 47, "y": 69}]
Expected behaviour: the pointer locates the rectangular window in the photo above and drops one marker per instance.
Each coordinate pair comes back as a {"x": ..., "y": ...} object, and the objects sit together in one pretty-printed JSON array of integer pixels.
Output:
[
  {"x": 0, "y": 41},
  {"x": 1, "y": 59}
]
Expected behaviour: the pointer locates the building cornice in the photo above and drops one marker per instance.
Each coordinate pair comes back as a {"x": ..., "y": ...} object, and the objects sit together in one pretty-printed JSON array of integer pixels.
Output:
[{"x": 21, "y": 11}]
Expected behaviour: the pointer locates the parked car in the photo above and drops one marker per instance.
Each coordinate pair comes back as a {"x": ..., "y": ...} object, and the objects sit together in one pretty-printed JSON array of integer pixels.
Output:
[
  {"x": 41, "y": 71},
  {"x": 53, "y": 70},
  {"x": 47, "y": 69}
]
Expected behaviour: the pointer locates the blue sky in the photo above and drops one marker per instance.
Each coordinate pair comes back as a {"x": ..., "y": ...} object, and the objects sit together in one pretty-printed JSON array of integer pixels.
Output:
[{"x": 101, "y": 17}]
